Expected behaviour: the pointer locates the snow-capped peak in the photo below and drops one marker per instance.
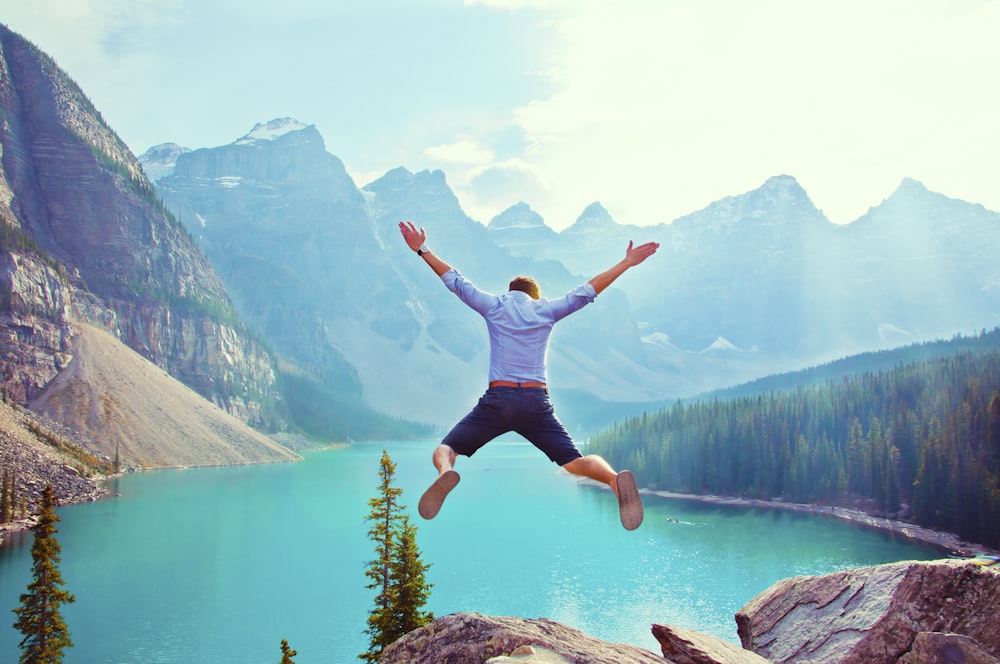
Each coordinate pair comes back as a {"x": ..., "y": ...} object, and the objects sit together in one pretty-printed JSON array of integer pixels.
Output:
[
  {"x": 519, "y": 215},
  {"x": 721, "y": 344},
  {"x": 160, "y": 160},
  {"x": 268, "y": 131}
]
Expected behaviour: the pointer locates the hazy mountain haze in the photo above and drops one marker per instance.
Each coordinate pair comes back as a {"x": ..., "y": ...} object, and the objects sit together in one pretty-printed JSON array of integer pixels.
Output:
[{"x": 752, "y": 284}]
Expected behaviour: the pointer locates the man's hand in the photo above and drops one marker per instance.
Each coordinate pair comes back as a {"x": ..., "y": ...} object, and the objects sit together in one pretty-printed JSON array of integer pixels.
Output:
[
  {"x": 633, "y": 256},
  {"x": 636, "y": 255},
  {"x": 414, "y": 238}
]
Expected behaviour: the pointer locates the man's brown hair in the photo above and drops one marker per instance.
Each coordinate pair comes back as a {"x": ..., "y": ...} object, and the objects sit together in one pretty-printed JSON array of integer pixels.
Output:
[{"x": 526, "y": 285}]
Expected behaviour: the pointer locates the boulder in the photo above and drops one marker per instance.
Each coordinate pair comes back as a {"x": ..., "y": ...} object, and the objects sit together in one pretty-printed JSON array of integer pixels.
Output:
[
  {"x": 938, "y": 648},
  {"x": 685, "y": 646},
  {"x": 873, "y": 615},
  {"x": 462, "y": 638}
]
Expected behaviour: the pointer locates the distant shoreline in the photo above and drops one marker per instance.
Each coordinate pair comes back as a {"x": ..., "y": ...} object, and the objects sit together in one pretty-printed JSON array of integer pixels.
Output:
[{"x": 946, "y": 542}]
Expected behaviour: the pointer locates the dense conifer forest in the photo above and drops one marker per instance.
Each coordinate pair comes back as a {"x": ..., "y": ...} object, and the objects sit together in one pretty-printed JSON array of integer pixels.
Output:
[{"x": 917, "y": 439}]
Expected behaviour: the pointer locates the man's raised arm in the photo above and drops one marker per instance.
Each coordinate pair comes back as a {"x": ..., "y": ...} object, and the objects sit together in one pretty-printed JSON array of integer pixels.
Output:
[
  {"x": 633, "y": 256},
  {"x": 415, "y": 240}
]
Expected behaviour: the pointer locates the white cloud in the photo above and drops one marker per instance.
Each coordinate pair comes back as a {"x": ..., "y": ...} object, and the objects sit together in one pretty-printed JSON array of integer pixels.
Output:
[
  {"x": 95, "y": 41},
  {"x": 664, "y": 107},
  {"x": 463, "y": 151},
  {"x": 654, "y": 107},
  {"x": 488, "y": 190},
  {"x": 88, "y": 29}
]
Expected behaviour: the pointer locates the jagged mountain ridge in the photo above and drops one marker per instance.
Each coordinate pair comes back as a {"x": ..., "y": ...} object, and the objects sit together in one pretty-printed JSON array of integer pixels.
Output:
[
  {"x": 85, "y": 239},
  {"x": 767, "y": 271},
  {"x": 318, "y": 267},
  {"x": 753, "y": 284}
]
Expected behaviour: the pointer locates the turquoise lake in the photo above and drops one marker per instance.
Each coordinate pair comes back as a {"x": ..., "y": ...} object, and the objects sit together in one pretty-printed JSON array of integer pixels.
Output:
[{"x": 217, "y": 565}]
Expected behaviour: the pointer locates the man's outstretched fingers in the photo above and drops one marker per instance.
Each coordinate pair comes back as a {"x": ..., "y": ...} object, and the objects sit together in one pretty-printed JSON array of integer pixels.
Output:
[{"x": 430, "y": 503}]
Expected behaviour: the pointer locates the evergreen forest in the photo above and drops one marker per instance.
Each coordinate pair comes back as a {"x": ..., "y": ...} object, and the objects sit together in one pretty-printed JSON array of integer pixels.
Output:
[{"x": 917, "y": 440}]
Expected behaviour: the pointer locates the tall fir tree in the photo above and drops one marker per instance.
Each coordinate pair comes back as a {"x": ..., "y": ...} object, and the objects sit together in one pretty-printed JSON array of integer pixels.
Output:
[
  {"x": 410, "y": 582},
  {"x": 397, "y": 573},
  {"x": 38, "y": 616}
]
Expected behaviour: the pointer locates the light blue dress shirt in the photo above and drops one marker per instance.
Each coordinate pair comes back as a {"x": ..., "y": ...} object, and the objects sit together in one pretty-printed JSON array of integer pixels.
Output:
[{"x": 519, "y": 326}]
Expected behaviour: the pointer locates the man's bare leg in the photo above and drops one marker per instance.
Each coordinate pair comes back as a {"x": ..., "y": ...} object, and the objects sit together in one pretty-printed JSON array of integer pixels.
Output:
[
  {"x": 623, "y": 484},
  {"x": 596, "y": 468},
  {"x": 444, "y": 460}
]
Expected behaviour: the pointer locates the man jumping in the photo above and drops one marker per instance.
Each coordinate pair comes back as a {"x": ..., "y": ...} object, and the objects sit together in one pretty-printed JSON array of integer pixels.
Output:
[{"x": 519, "y": 324}]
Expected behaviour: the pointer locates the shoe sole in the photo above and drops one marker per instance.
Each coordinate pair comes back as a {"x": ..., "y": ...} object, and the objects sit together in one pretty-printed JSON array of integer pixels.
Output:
[
  {"x": 629, "y": 501},
  {"x": 433, "y": 498}
]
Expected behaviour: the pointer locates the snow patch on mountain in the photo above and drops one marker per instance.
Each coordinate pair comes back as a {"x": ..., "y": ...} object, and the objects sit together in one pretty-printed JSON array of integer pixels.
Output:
[
  {"x": 722, "y": 345},
  {"x": 658, "y": 339},
  {"x": 160, "y": 160},
  {"x": 269, "y": 131}
]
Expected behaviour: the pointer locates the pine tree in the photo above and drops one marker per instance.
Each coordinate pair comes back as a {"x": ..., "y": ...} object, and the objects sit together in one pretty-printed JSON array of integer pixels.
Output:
[
  {"x": 38, "y": 617},
  {"x": 409, "y": 580},
  {"x": 397, "y": 573},
  {"x": 287, "y": 653},
  {"x": 5, "y": 498}
]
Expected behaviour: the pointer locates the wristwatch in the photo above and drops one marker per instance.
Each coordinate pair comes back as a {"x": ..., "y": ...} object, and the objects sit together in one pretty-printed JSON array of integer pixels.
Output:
[{"x": 422, "y": 250}]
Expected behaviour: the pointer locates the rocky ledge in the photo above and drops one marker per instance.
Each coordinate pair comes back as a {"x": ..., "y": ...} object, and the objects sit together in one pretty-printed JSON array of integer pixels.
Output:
[
  {"x": 462, "y": 638},
  {"x": 877, "y": 615},
  {"x": 910, "y": 612}
]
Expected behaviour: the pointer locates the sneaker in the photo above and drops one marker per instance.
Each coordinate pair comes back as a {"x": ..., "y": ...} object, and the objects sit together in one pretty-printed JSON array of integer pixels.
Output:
[
  {"x": 629, "y": 501},
  {"x": 433, "y": 498}
]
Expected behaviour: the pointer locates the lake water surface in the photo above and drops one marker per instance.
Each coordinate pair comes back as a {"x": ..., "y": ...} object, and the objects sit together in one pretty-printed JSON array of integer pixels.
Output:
[{"x": 218, "y": 565}]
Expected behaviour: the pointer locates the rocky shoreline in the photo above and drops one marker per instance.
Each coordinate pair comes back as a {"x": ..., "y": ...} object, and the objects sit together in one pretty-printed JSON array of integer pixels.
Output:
[
  {"x": 946, "y": 542},
  {"x": 35, "y": 465}
]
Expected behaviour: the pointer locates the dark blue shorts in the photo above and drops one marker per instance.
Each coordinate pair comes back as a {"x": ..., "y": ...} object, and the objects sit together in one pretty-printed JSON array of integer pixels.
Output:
[{"x": 523, "y": 410}]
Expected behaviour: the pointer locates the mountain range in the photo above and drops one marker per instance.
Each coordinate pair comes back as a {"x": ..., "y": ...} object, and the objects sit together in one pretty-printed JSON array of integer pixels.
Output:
[
  {"x": 753, "y": 284},
  {"x": 86, "y": 241},
  {"x": 261, "y": 276}
]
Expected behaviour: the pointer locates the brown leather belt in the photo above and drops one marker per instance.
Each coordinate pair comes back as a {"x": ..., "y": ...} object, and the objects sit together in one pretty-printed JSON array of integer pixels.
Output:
[{"x": 508, "y": 383}]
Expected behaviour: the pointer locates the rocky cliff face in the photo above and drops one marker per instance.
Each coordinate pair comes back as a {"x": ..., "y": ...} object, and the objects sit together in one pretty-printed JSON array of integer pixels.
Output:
[
  {"x": 72, "y": 195},
  {"x": 286, "y": 228},
  {"x": 133, "y": 410},
  {"x": 35, "y": 326}
]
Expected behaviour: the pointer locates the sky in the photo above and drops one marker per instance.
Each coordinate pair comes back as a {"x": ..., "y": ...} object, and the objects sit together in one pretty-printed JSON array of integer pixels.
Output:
[{"x": 655, "y": 108}]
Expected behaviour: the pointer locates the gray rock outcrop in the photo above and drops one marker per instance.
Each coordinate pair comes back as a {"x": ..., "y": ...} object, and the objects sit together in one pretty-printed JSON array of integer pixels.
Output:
[
  {"x": 461, "y": 638},
  {"x": 685, "y": 646},
  {"x": 938, "y": 648},
  {"x": 926, "y": 612},
  {"x": 874, "y": 615}
]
